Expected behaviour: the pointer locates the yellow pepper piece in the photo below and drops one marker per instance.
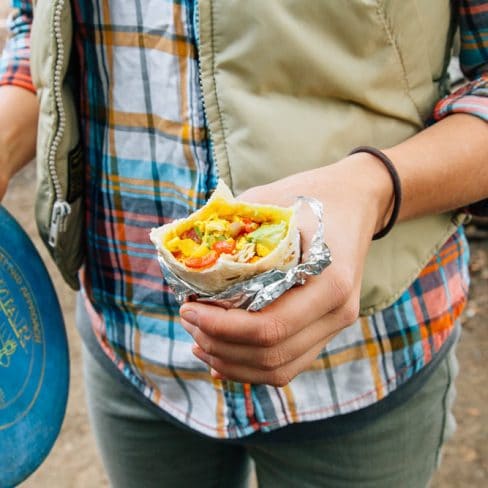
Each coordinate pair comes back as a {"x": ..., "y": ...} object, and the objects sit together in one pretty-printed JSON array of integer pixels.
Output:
[
  {"x": 173, "y": 245},
  {"x": 262, "y": 250},
  {"x": 200, "y": 251},
  {"x": 241, "y": 242},
  {"x": 187, "y": 246}
]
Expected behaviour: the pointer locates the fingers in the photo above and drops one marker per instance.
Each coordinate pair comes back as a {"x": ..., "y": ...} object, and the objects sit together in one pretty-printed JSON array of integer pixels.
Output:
[
  {"x": 276, "y": 377},
  {"x": 232, "y": 326},
  {"x": 266, "y": 358},
  {"x": 275, "y": 365},
  {"x": 284, "y": 318}
]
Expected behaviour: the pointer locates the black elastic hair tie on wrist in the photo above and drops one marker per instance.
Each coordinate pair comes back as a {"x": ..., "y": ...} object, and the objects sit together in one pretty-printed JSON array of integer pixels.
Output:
[{"x": 397, "y": 187}]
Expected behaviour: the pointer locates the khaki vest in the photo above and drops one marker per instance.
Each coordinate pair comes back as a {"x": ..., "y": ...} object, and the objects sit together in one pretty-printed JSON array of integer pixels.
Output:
[{"x": 289, "y": 86}]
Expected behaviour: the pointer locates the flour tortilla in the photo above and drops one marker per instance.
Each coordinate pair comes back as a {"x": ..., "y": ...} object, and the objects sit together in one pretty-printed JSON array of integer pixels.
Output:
[{"x": 225, "y": 272}]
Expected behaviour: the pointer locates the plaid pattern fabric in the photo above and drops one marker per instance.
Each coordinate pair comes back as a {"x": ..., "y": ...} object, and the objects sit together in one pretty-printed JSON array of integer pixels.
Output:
[
  {"x": 14, "y": 63},
  {"x": 147, "y": 148},
  {"x": 473, "y": 97}
]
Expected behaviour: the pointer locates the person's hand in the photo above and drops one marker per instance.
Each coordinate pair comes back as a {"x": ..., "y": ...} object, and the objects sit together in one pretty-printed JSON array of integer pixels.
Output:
[{"x": 275, "y": 344}]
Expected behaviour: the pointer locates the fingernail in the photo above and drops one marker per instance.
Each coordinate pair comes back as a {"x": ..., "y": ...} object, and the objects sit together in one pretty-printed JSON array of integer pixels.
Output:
[{"x": 190, "y": 315}]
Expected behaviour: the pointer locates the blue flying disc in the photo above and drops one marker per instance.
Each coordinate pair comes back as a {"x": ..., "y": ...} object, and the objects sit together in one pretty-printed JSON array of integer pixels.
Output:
[{"x": 34, "y": 359}]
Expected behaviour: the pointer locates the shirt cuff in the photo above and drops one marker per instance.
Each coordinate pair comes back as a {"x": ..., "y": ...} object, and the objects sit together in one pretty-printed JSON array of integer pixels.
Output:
[
  {"x": 15, "y": 63},
  {"x": 471, "y": 98},
  {"x": 19, "y": 81}
]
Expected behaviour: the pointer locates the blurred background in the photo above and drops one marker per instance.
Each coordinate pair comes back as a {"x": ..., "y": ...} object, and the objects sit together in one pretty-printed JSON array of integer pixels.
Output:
[{"x": 73, "y": 462}]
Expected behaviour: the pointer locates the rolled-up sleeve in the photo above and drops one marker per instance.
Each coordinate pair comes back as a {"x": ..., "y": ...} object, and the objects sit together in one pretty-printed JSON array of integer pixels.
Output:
[
  {"x": 15, "y": 59},
  {"x": 472, "y": 97}
]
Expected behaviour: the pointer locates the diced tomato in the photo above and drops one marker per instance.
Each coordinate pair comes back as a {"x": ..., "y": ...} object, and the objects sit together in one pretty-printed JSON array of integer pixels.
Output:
[
  {"x": 191, "y": 234},
  {"x": 202, "y": 262},
  {"x": 224, "y": 247},
  {"x": 249, "y": 225}
]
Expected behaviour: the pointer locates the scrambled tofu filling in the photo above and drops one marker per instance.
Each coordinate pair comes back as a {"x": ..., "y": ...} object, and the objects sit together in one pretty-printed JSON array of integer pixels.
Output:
[{"x": 243, "y": 239}]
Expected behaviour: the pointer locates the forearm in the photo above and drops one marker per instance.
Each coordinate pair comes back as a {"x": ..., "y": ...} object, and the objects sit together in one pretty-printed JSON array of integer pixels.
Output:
[
  {"x": 18, "y": 103},
  {"x": 18, "y": 128},
  {"x": 443, "y": 167}
]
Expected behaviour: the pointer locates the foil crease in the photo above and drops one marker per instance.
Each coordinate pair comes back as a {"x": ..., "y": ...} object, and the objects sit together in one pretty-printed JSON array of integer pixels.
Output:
[{"x": 260, "y": 290}]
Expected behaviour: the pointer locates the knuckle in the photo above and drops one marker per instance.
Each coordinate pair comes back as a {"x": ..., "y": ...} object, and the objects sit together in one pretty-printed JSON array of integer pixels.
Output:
[
  {"x": 350, "y": 312},
  {"x": 342, "y": 286},
  {"x": 200, "y": 338},
  {"x": 204, "y": 343},
  {"x": 214, "y": 324},
  {"x": 272, "y": 359},
  {"x": 281, "y": 378},
  {"x": 272, "y": 332},
  {"x": 212, "y": 328}
]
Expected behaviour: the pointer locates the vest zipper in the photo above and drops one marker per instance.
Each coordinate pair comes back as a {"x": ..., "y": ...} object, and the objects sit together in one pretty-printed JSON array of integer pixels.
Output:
[
  {"x": 196, "y": 28},
  {"x": 61, "y": 208}
]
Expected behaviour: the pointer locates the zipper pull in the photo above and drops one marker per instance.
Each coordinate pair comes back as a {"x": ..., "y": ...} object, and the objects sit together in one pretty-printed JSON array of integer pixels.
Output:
[{"x": 61, "y": 210}]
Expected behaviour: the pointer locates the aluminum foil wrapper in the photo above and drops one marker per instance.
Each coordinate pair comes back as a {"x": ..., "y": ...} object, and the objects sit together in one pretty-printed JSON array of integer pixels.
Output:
[{"x": 262, "y": 289}]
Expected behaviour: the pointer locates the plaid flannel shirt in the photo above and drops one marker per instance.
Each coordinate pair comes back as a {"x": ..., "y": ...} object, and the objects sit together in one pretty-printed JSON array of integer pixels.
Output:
[{"x": 148, "y": 162}]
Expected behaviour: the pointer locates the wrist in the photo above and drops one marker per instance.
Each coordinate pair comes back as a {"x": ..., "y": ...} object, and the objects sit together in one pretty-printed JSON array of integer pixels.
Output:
[{"x": 375, "y": 184}]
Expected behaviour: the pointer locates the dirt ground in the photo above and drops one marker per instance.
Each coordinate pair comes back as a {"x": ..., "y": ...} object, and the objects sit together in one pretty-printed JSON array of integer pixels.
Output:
[{"x": 73, "y": 462}]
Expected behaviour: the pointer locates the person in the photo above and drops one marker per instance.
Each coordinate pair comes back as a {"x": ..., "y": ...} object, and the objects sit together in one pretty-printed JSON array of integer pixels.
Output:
[{"x": 142, "y": 106}]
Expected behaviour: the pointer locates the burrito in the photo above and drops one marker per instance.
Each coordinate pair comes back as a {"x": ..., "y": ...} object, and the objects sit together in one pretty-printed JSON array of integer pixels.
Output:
[{"x": 227, "y": 241}]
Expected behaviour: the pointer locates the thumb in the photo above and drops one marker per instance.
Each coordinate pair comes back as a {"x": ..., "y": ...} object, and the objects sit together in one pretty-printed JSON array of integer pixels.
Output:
[{"x": 272, "y": 194}]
